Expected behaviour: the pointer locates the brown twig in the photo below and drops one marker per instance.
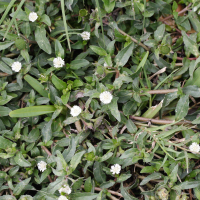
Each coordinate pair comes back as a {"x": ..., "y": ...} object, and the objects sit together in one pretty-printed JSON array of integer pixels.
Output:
[
  {"x": 8, "y": 168},
  {"x": 175, "y": 28},
  {"x": 4, "y": 74},
  {"x": 133, "y": 39},
  {"x": 111, "y": 192},
  {"x": 182, "y": 11},
  {"x": 49, "y": 177},
  {"x": 162, "y": 91},
  {"x": 46, "y": 150},
  {"x": 158, "y": 121},
  {"x": 179, "y": 58}
]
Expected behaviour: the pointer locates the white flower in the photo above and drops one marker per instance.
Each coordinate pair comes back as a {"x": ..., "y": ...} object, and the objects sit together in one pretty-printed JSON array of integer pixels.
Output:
[
  {"x": 62, "y": 198},
  {"x": 75, "y": 111},
  {"x": 42, "y": 166},
  {"x": 85, "y": 35},
  {"x": 33, "y": 16},
  {"x": 106, "y": 97},
  {"x": 115, "y": 169},
  {"x": 58, "y": 62},
  {"x": 16, "y": 66},
  {"x": 194, "y": 147},
  {"x": 66, "y": 189}
]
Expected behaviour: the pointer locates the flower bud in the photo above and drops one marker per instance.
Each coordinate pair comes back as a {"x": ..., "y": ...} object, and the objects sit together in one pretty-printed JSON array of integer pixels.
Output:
[{"x": 162, "y": 193}]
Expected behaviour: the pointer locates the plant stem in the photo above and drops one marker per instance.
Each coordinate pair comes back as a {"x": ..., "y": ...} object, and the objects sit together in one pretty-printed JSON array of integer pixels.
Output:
[
  {"x": 162, "y": 91},
  {"x": 4, "y": 74},
  {"x": 182, "y": 11},
  {"x": 158, "y": 121},
  {"x": 111, "y": 192},
  {"x": 133, "y": 39},
  {"x": 47, "y": 151}
]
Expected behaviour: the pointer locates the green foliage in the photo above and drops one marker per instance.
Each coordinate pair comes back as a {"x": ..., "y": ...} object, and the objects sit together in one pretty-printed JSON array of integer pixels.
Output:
[{"x": 99, "y": 99}]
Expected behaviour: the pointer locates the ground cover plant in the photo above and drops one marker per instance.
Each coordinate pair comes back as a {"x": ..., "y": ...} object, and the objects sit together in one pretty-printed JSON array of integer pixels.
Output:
[{"x": 99, "y": 99}]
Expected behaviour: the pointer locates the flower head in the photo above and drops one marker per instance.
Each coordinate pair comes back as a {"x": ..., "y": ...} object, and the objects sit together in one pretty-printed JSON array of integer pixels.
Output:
[
  {"x": 75, "y": 111},
  {"x": 26, "y": 197},
  {"x": 194, "y": 147},
  {"x": 85, "y": 35},
  {"x": 16, "y": 66},
  {"x": 42, "y": 166},
  {"x": 58, "y": 62},
  {"x": 33, "y": 16},
  {"x": 62, "y": 198},
  {"x": 66, "y": 189},
  {"x": 115, "y": 169},
  {"x": 106, "y": 97}
]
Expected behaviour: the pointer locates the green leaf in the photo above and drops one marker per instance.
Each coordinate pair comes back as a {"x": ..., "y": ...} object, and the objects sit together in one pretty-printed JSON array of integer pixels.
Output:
[
  {"x": 131, "y": 126},
  {"x": 123, "y": 56},
  {"x": 190, "y": 44},
  {"x": 109, "y": 5},
  {"x": 196, "y": 121},
  {"x": 25, "y": 55},
  {"x": 14, "y": 17},
  {"x": 45, "y": 18},
  {"x": 5, "y": 68},
  {"x": 59, "y": 84},
  {"x": 125, "y": 193},
  {"x": 182, "y": 107},
  {"x": 5, "y": 45},
  {"x": 148, "y": 169},
  {"x": 129, "y": 108},
  {"x": 70, "y": 120},
  {"x": 153, "y": 176},
  {"x": 21, "y": 161},
  {"x": 173, "y": 174},
  {"x": 83, "y": 195},
  {"x": 5, "y": 143},
  {"x": 195, "y": 80},
  {"x": 88, "y": 185},
  {"x": 105, "y": 157},
  {"x": 9, "y": 6},
  {"x": 186, "y": 185},
  {"x": 151, "y": 112},
  {"x": 98, "y": 50},
  {"x": 47, "y": 132},
  {"x": 65, "y": 97},
  {"x": 36, "y": 85},
  {"x": 113, "y": 107},
  {"x": 99, "y": 175},
  {"x": 3, "y": 101},
  {"x": 111, "y": 47},
  {"x": 123, "y": 177},
  {"x": 78, "y": 63},
  {"x": 32, "y": 111},
  {"x": 197, "y": 192},
  {"x": 20, "y": 186},
  {"x": 192, "y": 90},
  {"x": 4, "y": 111},
  {"x": 7, "y": 197},
  {"x": 76, "y": 159},
  {"x": 158, "y": 34},
  {"x": 142, "y": 63},
  {"x": 41, "y": 39},
  {"x": 59, "y": 49}
]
